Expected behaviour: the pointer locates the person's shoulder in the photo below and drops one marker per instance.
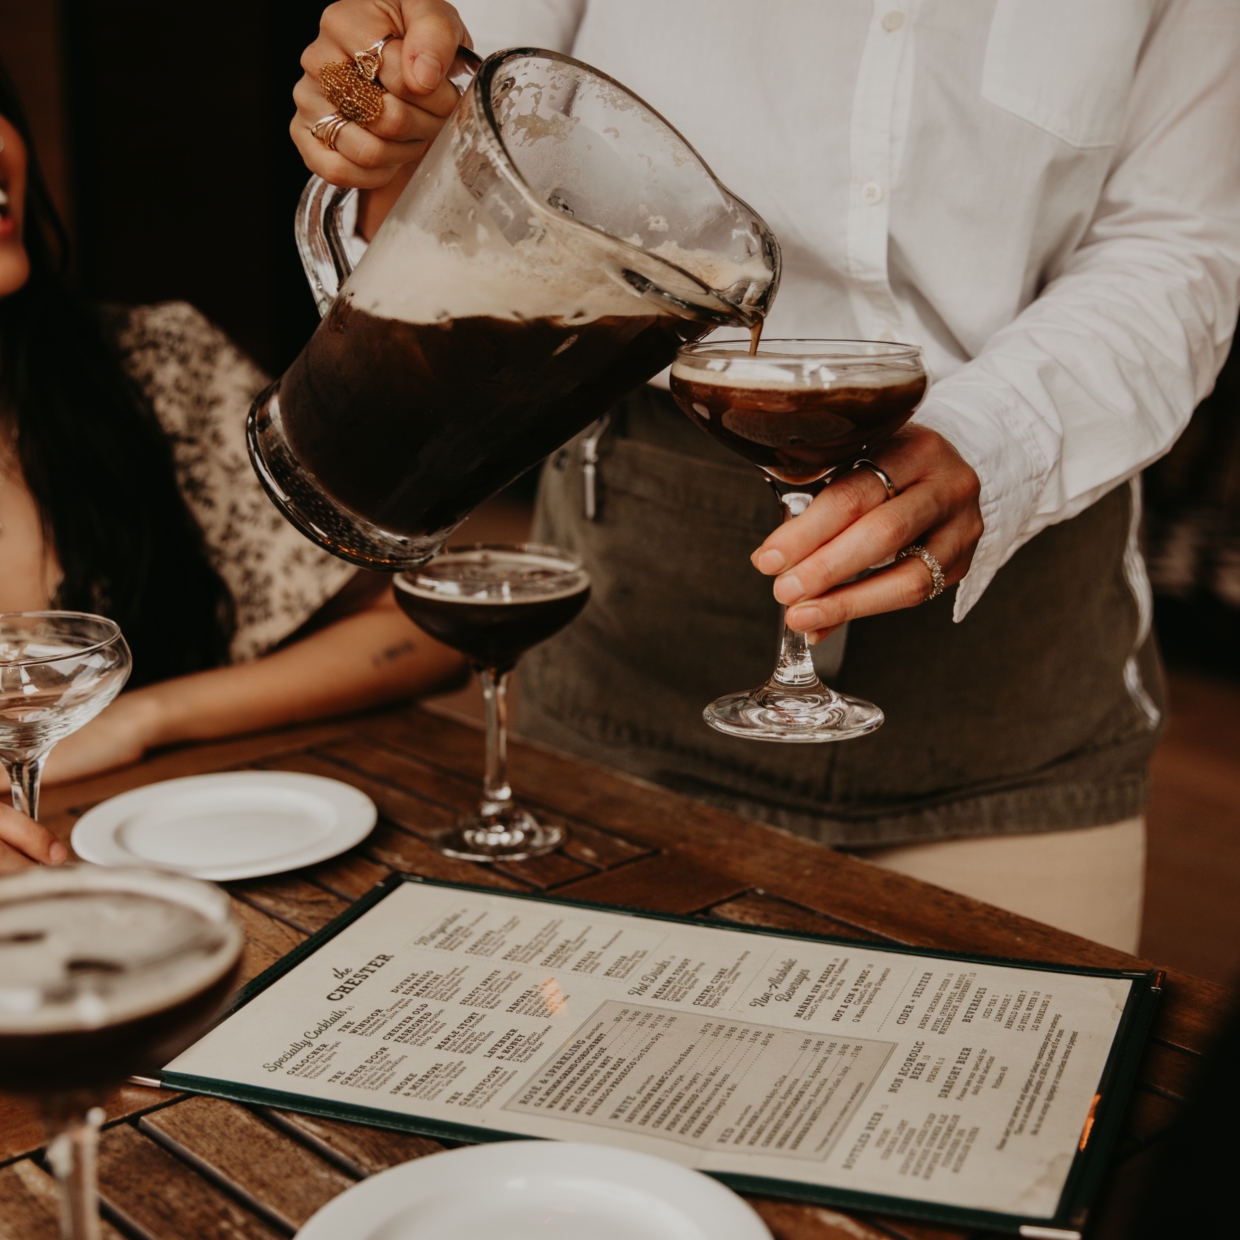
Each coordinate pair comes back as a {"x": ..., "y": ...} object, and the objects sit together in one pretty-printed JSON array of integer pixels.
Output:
[
  {"x": 187, "y": 367},
  {"x": 167, "y": 327}
]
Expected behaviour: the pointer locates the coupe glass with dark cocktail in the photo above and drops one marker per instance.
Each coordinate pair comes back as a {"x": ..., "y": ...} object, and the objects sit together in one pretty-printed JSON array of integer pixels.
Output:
[
  {"x": 103, "y": 973},
  {"x": 493, "y": 603},
  {"x": 801, "y": 411}
]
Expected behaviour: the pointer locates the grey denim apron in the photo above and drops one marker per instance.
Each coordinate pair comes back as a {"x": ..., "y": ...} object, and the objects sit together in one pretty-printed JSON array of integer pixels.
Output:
[{"x": 1038, "y": 712}]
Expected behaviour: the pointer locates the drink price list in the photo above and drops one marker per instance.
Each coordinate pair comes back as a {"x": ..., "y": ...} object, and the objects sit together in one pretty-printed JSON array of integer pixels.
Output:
[{"x": 837, "y": 1068}]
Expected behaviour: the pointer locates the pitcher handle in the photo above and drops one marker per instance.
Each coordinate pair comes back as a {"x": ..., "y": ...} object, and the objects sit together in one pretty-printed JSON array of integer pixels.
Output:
[{"x": 322, "y": 212}]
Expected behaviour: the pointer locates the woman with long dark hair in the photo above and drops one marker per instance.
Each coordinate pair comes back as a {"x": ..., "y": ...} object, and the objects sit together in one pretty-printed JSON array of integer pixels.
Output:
[{"x": 125, "y": 490}]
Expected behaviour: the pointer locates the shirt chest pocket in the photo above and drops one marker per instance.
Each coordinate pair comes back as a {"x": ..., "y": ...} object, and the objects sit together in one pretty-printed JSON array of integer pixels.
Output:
[{"x": 1066, "y": 66}]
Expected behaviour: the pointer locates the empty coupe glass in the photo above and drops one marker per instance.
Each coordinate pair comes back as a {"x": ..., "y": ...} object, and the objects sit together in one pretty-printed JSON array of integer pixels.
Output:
[{"x": 58, "y": 670}]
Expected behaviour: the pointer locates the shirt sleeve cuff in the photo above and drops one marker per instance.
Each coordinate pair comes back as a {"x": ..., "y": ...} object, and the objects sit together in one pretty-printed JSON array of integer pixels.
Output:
[{"x": 990, "y": 434}]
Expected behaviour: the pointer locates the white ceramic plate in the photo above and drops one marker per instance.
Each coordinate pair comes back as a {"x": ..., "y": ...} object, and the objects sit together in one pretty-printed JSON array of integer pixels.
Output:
[
  {"x": 537, "y": 1190},
  {"x": 237, "y": 824}
]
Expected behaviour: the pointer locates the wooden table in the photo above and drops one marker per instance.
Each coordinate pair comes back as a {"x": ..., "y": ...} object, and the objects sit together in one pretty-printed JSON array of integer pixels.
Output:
[{"x": 175, "y": 1166}]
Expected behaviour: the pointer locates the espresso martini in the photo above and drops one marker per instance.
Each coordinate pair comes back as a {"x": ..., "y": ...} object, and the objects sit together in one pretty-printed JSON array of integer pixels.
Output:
[
  {"x": 797, "y": 422},
  {"x": 801, "y": 411}
]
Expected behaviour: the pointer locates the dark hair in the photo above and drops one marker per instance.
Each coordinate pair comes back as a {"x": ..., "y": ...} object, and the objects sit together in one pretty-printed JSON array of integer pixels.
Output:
[{"x": 97, "y": 462}]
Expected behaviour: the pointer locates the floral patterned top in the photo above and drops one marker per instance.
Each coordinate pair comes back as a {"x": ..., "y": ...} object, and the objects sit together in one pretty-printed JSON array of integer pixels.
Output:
[{"x": 201, "y": 387}]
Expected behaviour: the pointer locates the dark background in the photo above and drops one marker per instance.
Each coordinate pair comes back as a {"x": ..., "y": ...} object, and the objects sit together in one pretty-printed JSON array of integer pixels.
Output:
[{"x": 175, "y": 166}]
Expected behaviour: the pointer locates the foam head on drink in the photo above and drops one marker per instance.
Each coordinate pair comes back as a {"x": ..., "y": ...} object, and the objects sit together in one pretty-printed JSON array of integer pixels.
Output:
[
  {"x": 97, "y": 981},
  {"x": 493, "y": 604},
  {"x": 795, "y": 417}
]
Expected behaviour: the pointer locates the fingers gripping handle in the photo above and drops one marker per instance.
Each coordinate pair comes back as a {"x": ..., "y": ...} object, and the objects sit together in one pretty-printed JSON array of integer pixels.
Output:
[{"x": 326, "y": 215}]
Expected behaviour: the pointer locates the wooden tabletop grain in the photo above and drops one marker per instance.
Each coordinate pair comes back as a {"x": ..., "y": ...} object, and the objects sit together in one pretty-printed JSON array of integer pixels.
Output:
[{"x": 174, "y": 1166}]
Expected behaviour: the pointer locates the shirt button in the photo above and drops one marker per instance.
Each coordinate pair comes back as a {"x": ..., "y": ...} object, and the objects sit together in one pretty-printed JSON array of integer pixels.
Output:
[
  {"x": 893, "y": 21},
  {"x": 871, "y": 193}
]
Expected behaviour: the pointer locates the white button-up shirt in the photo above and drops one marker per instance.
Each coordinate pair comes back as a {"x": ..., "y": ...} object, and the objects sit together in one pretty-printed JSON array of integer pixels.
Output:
[{"x": 1044, "y": 194}]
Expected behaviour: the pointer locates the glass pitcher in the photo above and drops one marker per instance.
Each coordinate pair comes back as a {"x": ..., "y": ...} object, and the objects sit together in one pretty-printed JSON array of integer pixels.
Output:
[{"x": 558, "y": 243}]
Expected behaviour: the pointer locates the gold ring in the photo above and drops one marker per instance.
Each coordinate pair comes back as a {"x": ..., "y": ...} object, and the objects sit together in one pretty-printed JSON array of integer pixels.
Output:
[
  {"x": 370, "y": 61},
  {"x": 881, "y": 474},
  {"x": 936, "y": 569},
  {"x": 327, "y": 130},
  {"x": 356, "y": 98}
]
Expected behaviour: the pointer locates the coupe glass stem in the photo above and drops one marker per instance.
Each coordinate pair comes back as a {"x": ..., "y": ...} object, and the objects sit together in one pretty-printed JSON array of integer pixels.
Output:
[
  {"x": 72, "y": 1156},
  {"x": 496, "y": 794},
  {"x": 795, "y": 669},
  {"x": 496, "y": 807},
  {"x": 24, "y": 778}
]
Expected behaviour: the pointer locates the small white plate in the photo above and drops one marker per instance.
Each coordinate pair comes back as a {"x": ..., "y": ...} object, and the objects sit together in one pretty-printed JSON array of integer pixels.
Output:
[
  {"x": 537, "y": 1190},
  {"x": 237, "y": 824}
]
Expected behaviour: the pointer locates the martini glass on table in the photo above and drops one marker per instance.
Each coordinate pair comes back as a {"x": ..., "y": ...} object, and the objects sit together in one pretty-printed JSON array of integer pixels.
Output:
[
  {"x": 58, "y": 670},
  {"x": 492, "y": 603},
  {"x": 103, "y": 972},
  {"x": 801, "y": 411}
]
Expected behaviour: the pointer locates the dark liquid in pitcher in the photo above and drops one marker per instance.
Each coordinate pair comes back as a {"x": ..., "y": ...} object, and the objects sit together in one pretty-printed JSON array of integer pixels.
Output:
[
  {"x": 411, "y": 426},
  {"x": 493, "y": 635},
  {"x": 798, "y": 435}
]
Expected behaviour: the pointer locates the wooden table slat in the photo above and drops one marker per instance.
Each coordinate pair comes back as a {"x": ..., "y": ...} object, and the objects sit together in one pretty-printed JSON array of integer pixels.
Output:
[
  {"x": 911, "y": 1229},
  {"x": 598, "y": 848},
  {"x": 453, "y": 792},
  {"x": 1192, "y": 1012},
  {"x": 1172, "y": 1071},
  {"x": 267, "y": 939},
  {"x": 790, "y": 1220},
  {"x": 667, "y": 884},
  {"x": 349, "y": 876},
  {"x": 760, "y": 908},
  {"x": 264, "y": 1167},
  {"x": 22, "y": 1132},
  {"x": 553, "y": 870},
  {"x": 158, "y": 1196},
  {"x": 1149, "y": 1118},
  {"x": 360, "y": 1149},
  {"x": 31, "y": 1210},
  {"x": 398, "y": 804},
  {"x": 289, "y": 897},
  {"x": 408, "y": 854}
]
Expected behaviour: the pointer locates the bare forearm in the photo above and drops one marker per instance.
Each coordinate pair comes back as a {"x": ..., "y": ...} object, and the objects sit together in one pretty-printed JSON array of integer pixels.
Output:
[{"x": 363, "y": 660}]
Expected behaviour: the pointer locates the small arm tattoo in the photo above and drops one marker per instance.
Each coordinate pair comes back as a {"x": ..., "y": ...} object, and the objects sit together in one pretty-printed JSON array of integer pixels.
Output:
[{"x": 394, "y": 653}]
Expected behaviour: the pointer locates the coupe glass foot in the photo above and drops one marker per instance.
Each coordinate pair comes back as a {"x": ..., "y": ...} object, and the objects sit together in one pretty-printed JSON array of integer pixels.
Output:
[
  {"x": 512, "y": 836},
  {"x": 809, "y": 715}
]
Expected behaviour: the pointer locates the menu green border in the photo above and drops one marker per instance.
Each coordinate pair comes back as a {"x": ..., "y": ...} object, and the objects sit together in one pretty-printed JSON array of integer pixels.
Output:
[{"x": 1080, "y": 1189}]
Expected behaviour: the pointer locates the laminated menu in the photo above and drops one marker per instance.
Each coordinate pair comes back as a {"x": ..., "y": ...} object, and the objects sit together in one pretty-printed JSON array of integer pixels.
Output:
[{"x": 957, "y": 1088}]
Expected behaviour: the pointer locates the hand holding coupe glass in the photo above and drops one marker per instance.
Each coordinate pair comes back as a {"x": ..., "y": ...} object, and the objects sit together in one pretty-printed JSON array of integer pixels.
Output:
[
  {"x": 850, "y": 526},
  {"x": 802, "y": 411}
]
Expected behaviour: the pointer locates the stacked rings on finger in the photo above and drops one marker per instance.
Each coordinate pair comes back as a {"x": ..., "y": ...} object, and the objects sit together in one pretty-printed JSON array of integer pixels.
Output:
[
  {"x": 353, "y": 88},
  {"x": 881, "y": 474},
  {"x": 327, "y": 130},
  {"x": 355, "y": 97},
  {"x": 936, "y": 569}
]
